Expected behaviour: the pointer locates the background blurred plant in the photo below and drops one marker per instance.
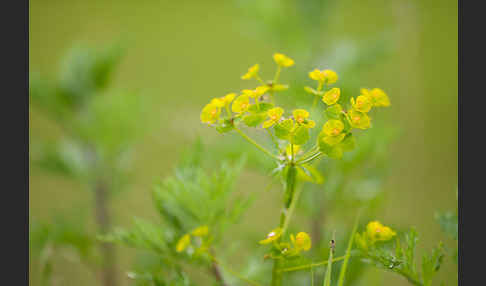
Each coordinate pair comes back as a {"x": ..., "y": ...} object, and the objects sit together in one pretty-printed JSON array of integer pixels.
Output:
[{"x": 99, "y": 128}]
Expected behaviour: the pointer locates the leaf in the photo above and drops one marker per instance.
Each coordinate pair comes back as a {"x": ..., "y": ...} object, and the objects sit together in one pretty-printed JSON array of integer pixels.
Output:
[
  {"x": 260, "y": 108},
  {"x": 348, "y": 143},
  {"x": 334, "y": 111},
  {"x": 225, "y": 126},
  {"x": 342, "y": 273},
  {"x": 253, "y": 120},
  {"x": 301, "y": 135},
  {"x": 282, "y": 129},
  {"x": 310, "y": 173},
  {"x": 327, "y": 277}
]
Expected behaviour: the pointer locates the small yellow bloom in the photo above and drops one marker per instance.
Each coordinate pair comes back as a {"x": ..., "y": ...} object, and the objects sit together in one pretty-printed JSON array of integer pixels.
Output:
[
  {"x": 252, "y": 72},
  {"x": 316, "y": 75},
  {"x": 200, "y": 231},
  {"x": 324, "y": 76},
  {"x": 377, "y": 97},
  {"x": 333, "y": 130},
  {"x": 362, "y": 103},
  {"x": 260, "y": 90},
  {"x": 210, "y": 113},
  {"x": 333, "y": 127},
  {"x": 272, "y": 236},
  {"x": 282, "y": 60},
  {"x": 302, "y": 241},
  {"x": 331, "y": 96},
  {"x": 274, "y": 116},
  {"x": 378, "y": 232},
  {"x": 330, "y": 76},
  {"x": 241, "y": 104},
  {"x": 358, "y": 119},
  {"x": 183, "y": 243},
  {"x": 229, "y": 98},
  {"x": 301, "y": 115}
]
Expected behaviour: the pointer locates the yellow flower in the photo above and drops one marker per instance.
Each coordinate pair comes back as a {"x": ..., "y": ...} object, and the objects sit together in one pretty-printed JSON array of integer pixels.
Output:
[
  {"x": 200, "y": 231},
  {"x": 333, "y": 130},
  {"x": 300, "y": 116},
  {"x": 316, "y": 75},
  {"x": 274, "y": 116},
  {"x": 377, "y": 97},
  {"x": 241, "y": 104},
  {"x": 378, "y": 232},
  {"x": 302, "y": 241},
  {"x": 362, "y": 103},
  {"x": 272, "y": 236},
  {"x": 324, "y": 76},
  {"x": 223, "y": 101},
  {"x": 183, "y": 243},
  {"x": 282, "y": 60},
  {"x": 330, "y": 76},
  {"x": 210, "y": 112},
  {"x": 252, "y": 72},
  {"x": 331, "y": 96},
  {"x": 358, "y": 119},
  {"x": 260, "y": 90}
]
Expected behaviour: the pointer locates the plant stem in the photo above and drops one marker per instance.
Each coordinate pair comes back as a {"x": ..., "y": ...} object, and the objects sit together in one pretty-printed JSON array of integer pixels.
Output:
[
  {"x": 277, "y": 75},
  {"x": 104, "y": 223},
  {"x": 348, "y": 251},
  {"x": 302, "y": 267},
  {"x": 256, "y": 144},
  {"x": 216, "y": 271},
  {"x": 289, "y": 203},
  {"x": 310, "y": 158}
]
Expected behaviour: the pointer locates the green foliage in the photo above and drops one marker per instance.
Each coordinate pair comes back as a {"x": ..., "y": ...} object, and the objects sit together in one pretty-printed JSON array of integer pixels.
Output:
[
  {"x": 401, "y": 258},
  {"x": 191, "y": 197}
]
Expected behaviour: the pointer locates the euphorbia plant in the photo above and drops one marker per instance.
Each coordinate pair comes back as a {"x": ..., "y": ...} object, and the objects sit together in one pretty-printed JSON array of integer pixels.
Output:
[{"x": 257, "y": 108}]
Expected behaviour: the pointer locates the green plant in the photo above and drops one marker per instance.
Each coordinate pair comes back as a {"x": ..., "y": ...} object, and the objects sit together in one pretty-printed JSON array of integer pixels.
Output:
[
  {"x": 290, "y": 134},
  {"x": 196, "y": 207}
]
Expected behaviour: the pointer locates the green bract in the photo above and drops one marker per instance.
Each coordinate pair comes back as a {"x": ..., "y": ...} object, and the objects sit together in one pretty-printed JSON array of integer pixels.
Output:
[
  {"x": 359, "y": 119},
  {"x": 334, "y": 111},
  {"x": 241, "y": 104}
]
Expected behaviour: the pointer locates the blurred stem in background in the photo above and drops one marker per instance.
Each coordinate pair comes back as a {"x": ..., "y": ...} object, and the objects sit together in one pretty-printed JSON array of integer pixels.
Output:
[{"x": 99, "y": 129}]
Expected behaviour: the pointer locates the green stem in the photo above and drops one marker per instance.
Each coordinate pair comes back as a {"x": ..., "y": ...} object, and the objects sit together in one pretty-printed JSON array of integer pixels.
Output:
[
  {"x": 273, "y": 138},
  {"x": 277, "y": 75},
  {"x": 348, "y": 251},
  {"x": 310, "y": 158},
  {"x": 289, "y": 203},
  {"x": 302, "y": 267},
  {"x": 256, "y": 144}
]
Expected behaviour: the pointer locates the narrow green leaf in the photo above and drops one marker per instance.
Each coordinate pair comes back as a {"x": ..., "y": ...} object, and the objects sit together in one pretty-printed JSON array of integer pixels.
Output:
[{"x": 348, "y": 252}]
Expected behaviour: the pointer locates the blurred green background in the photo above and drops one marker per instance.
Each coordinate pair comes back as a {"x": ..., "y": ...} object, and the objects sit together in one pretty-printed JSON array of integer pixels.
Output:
[{"x": 181, "y": 53}]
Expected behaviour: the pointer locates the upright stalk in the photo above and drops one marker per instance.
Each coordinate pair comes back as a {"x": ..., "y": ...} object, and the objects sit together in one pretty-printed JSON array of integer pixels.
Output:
[
  {"x": 288, "y": 198},
  {"x": 104, "y": 223}
]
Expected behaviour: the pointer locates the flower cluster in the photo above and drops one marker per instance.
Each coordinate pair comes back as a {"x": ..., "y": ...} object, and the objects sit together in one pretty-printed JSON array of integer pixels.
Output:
[
  {"x": 256, "y": 108},
  {"x": 374, "y": 232},
  {"x": 200, "y": 243},
  {"x": 299, "y": 242}
]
